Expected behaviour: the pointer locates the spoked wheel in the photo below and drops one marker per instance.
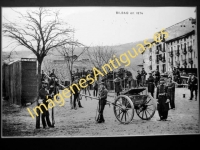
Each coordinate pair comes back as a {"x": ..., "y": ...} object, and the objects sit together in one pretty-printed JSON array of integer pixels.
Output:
[
  {"x": 147, "y": 109},
  {"x": 123, "y": 109}
]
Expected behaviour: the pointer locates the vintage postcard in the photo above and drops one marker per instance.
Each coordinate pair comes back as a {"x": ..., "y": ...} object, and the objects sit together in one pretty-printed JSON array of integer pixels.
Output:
[{"x": 99, "y": 71}]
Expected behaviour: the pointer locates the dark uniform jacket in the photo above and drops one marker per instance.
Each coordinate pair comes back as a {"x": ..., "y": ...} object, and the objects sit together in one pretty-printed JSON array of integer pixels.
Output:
[
  {"x": 162, "y": 97},
  {"x": 151, "y": 84},
  {"x": 43, "y": 95},
  {"x": 53, "y": 87},
  {"x": 143, "y": 73},
  {"x": 157, "y": 75},
  {"x": 193, "y": 83},
  {"x": 118, "y": 86},
  {"x": 103, "y": 93},
  {"x": 171, "y": 88}
]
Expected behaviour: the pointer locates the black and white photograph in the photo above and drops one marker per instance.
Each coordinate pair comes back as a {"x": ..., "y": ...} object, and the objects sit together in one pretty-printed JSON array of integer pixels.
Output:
[{"x": 86, "y": 71}]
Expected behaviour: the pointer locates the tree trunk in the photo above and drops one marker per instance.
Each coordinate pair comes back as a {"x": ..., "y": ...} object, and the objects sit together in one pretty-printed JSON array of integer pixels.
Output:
[{"x": 38, "y": 88}]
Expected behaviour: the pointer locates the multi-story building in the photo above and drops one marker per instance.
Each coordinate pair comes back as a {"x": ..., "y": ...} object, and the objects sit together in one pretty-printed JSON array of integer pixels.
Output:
[{"x": 178, "y": 50}]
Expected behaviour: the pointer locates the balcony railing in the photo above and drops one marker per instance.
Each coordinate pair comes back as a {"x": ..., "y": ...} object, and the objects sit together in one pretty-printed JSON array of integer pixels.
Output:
[
  {"x": 190, "y": 49},
  {"x": 177, "y": 53},
  {"x": 184, "y": 52},
  {"x": 163, "y": 59},
  {"x": 190, "y": 60}
]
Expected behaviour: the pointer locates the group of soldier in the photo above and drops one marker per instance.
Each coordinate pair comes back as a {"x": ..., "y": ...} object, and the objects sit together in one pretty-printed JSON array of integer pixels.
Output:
[
  {"x": 48, "y": 89},
  {"x": 165, "y": 92}
]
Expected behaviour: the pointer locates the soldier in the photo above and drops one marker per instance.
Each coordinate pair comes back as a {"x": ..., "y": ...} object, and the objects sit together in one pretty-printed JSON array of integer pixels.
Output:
[
  {"x": 163, "y": 101},
  {"x": 143, "y": 76},
  {"x": 102, "y": 102},
  {"x": 53, "y": 73},
  {"x": 157, "y": 77},
  {"x": 193, "y": 86},
  {"x": 118, "y": 86},
  {"x": 43, "y": 75},
  {"x": 151, "y": 85},
  {"x": 95, "y": 87},
  {"x": 76, "y": 95},
  {"x": 53, "y": 89},
  {"x": 138, "y": 78},
  {"x": 171, "y": 92},
  {"x": 43, "y": 94}
]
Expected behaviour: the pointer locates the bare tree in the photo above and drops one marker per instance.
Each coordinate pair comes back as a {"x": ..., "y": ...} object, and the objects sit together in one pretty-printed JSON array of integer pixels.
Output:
[
  {"x": 100, "y": 55},
  {"x": 39, "y": 31}
]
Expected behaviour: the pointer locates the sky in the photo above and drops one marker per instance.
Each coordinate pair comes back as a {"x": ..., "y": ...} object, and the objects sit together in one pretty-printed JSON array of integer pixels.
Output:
[{"x": 107, "y": 26}]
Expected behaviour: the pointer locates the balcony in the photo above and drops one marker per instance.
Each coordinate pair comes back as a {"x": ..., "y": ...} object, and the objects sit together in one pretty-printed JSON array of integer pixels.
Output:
[
  {"x": 184, "y": 52},
  {"x": 150, "y": 58},
  {"x": 184, "y": 62},
  {"x": 163, "y": 59},
  {"x": 190, "y": 49},
  {"x": 160, "y": 57},
  {"x": 171, "y": 54},
  {"x": 190, "y": 60},
  {"x": 177, "y": 53}
]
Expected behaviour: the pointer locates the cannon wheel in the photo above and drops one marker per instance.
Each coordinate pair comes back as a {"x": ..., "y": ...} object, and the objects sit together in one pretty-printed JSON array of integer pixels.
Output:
[
  {"x": 147, "y": 109},
  {"x": 123, "y": 109}
]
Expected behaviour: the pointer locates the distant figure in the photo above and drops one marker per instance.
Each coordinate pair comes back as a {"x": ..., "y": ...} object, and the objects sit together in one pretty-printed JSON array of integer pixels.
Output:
[
  {"x": 143, "y": 76},
  {"x": 118, "y": 86},
  {"x": 76, "y": 95},
  {"x": 193, "y": 86},
  {"x": 163, "y": 101},
  {"x": 157, "y": 77},
  {"x": 53, "y": 73},
  {"x": 95, "y": 87},
  {"x": 138, "y": 78},
  {"x": 151, "y": 85},
  {"x": 176, "y": 75},
  {"x": 43, "y": 76},
  {"x": 171, "y": 92}
]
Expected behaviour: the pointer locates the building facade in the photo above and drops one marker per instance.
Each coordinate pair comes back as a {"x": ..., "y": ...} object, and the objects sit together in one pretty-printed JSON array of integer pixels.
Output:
[{"x": 178, "y": 50}]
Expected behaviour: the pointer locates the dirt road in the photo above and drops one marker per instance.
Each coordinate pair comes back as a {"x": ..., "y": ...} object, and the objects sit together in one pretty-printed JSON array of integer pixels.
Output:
[{"x": 184, "y": 119}]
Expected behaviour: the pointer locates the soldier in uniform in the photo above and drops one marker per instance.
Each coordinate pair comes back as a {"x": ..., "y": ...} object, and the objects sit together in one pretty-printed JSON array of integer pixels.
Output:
[
  {"x": 43, "y": 75},
  {"x": 118, "y": 86},
  {"x": 53, "y": 89},
  {"x": 103, "y": 92},
  {"x": 157, "y": 77},
  {"x": 193, "y": 86},
  {"x": 95, "y": 87},
  {"x": 43, "y": 94},
  {"x": 171, "y": 92},
  {"x": 143, "y": 76},
  {"x": 151, "y": 85},
  {"x": 163, "y": 101},
  {"x": 76, "y": 95},
  {"x": 138, "y": 78}
]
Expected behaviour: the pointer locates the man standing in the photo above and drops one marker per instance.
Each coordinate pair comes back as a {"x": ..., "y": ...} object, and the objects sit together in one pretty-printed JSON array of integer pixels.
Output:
[
  {"x": 138, "y": 78},
  {"x": 76, "y": 95},
  {"x": 157, "y": 77},
  {"x": 193, "y": 86},
  {"x": 95, "y": 87},
  {"x": 151, "y": 86},
  {"x": 118, "y": 85},
  {"x": 171, "y": 92},
  {"x": 163, "y": 101},
  {"x": 143, "y": 76},
  {"x": 43, "y": 94},
  {"x": 103, "y": 92}
]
